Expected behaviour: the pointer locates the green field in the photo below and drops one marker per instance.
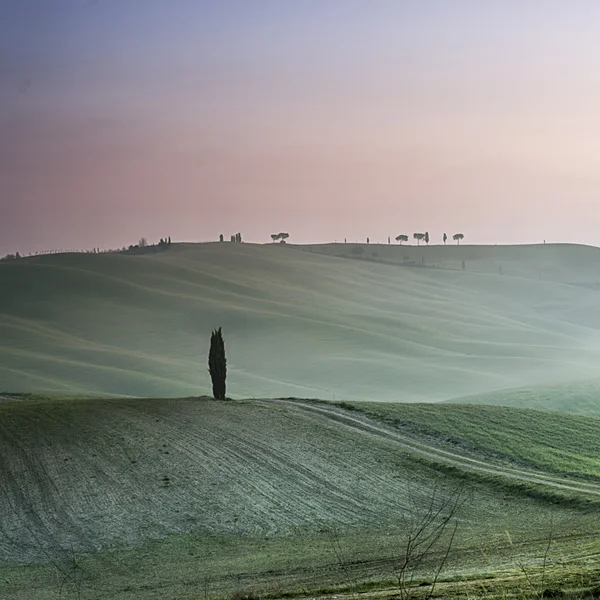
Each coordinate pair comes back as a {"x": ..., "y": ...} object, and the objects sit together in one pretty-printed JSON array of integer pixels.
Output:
[
  {"x": 157, "y": 498},
  {"x": 368, "y": 386},
  {"x": 300, "y": 323},
  {"x": 561, "y": 444},
  {"x": 577, "y": 397}
]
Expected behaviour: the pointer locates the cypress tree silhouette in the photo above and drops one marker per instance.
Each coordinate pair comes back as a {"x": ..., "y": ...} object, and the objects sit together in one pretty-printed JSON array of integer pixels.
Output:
[{"x": 217, "y": 364}]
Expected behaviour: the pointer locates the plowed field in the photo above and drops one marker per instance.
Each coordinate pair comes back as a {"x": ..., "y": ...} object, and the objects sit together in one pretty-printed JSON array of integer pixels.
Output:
[{"x": 163, "y": 493}]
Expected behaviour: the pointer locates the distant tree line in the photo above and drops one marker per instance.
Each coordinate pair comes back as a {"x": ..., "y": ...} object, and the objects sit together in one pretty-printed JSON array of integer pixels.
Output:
[
  {"x": 143, "y": 247},
  {"x": 424, "y": 237},
  {"x": 14, "y": 256},
  {"x": 403, "y": 237},
  {"x": 18, "y": 255},
  {"x": 235, "y": 238}
]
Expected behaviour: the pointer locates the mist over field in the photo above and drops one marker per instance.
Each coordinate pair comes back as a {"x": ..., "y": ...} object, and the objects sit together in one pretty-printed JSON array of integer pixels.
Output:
[
  {"x": 374, "y": 391},
  {"x": 299, "y": 299},
  {"x": 357, "y": 322}
]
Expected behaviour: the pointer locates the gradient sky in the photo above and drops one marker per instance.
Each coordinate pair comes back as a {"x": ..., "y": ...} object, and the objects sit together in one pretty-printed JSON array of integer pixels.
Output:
[{"x": 323, "y": 118}]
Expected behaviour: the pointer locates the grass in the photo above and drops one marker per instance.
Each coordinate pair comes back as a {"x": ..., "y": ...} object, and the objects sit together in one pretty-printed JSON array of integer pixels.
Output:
[
  {"x": 552, "y": 442},
  {"x": 159, "y": 497},
  {"x": 175, "y": 496},
  {"x": 577, "y": 397},
  {"x": 572, "y": 263},
  {"x": 296, "y": 323}
]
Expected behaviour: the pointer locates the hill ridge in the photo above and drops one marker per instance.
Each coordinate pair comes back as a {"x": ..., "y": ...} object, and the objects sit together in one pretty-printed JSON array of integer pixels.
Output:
[{"x": 355, "y": 329}]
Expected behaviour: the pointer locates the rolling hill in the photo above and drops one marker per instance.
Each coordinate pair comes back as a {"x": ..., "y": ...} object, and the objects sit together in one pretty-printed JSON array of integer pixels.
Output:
[
  {"x": 315, "y": 321},
  {"x": 580, "y": 397},
  {"x": 160, "y": 498},
  {"x": 562, "y": 263}
]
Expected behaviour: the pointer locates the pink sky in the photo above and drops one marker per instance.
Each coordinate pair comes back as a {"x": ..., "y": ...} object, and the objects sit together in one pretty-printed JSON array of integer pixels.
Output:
[{"x": 351, "y": 120}]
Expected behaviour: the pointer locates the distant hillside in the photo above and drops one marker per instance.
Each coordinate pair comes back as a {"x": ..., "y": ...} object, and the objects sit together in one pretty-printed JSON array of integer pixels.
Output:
[
  {"x": 564, "y": 263},
  {"x": 300, "y": 323},
  {"x": 577, "y": 397}
]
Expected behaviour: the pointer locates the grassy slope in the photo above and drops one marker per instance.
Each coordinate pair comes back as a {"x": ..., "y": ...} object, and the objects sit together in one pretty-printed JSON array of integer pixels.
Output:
[
  {"x": 577, "y": 397},
  {"x": 570, "y": 263},
  {"x": 250, "y": 493},
  {"x": 299, "y": 323},
  {"x": 544, "y": 441},
  {"x": 146, "y": 467}
]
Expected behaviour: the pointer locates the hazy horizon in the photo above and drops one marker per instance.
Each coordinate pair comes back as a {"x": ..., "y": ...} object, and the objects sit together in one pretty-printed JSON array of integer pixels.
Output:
[{"x": 327, "y": 120}]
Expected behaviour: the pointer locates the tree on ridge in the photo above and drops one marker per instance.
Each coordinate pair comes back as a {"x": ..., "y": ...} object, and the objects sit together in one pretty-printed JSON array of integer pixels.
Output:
[
  {"x": 418, "y": 237},
  {"x": 217, "y": 364}
]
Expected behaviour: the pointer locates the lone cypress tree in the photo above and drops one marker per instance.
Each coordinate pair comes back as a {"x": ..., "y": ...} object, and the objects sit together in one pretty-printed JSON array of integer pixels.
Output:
[{"x": 217, "y": 364}]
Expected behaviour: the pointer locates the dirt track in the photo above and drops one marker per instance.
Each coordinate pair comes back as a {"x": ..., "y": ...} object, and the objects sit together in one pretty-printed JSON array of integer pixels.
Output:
[
  {"x": 373, "y": 428},
  {"x": 87, "y": 474},
  {"x": 90, "y": 473},
  {"x": 280, "y": 477}
]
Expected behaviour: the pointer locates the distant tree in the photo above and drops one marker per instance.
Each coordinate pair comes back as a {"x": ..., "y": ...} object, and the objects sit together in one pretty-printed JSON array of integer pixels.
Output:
[
  {"x": 402, "y": 238},
  {"x": 457, "y": 237},
  {"x": 418, "y": 237},
  {"x": 143, "y": 242},
  {"x": 368, "y": 241},
  {"x": 274, "y": 236},
  {"x": 169, "y": 242},
  {"x": 232, "y": 238},
  {"x": 217, "y": 364},
  {"x": 389, "y": 241},
  {"x": 221, "y": 237},
  {"x": 445, "y": 238},
  {"x": 426, "y": 238},
  {"x": 283, "y": 237}
]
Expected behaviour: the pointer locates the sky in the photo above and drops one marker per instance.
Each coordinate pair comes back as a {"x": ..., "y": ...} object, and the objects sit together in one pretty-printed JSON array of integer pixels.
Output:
[{"x": 327, "y": 119}]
